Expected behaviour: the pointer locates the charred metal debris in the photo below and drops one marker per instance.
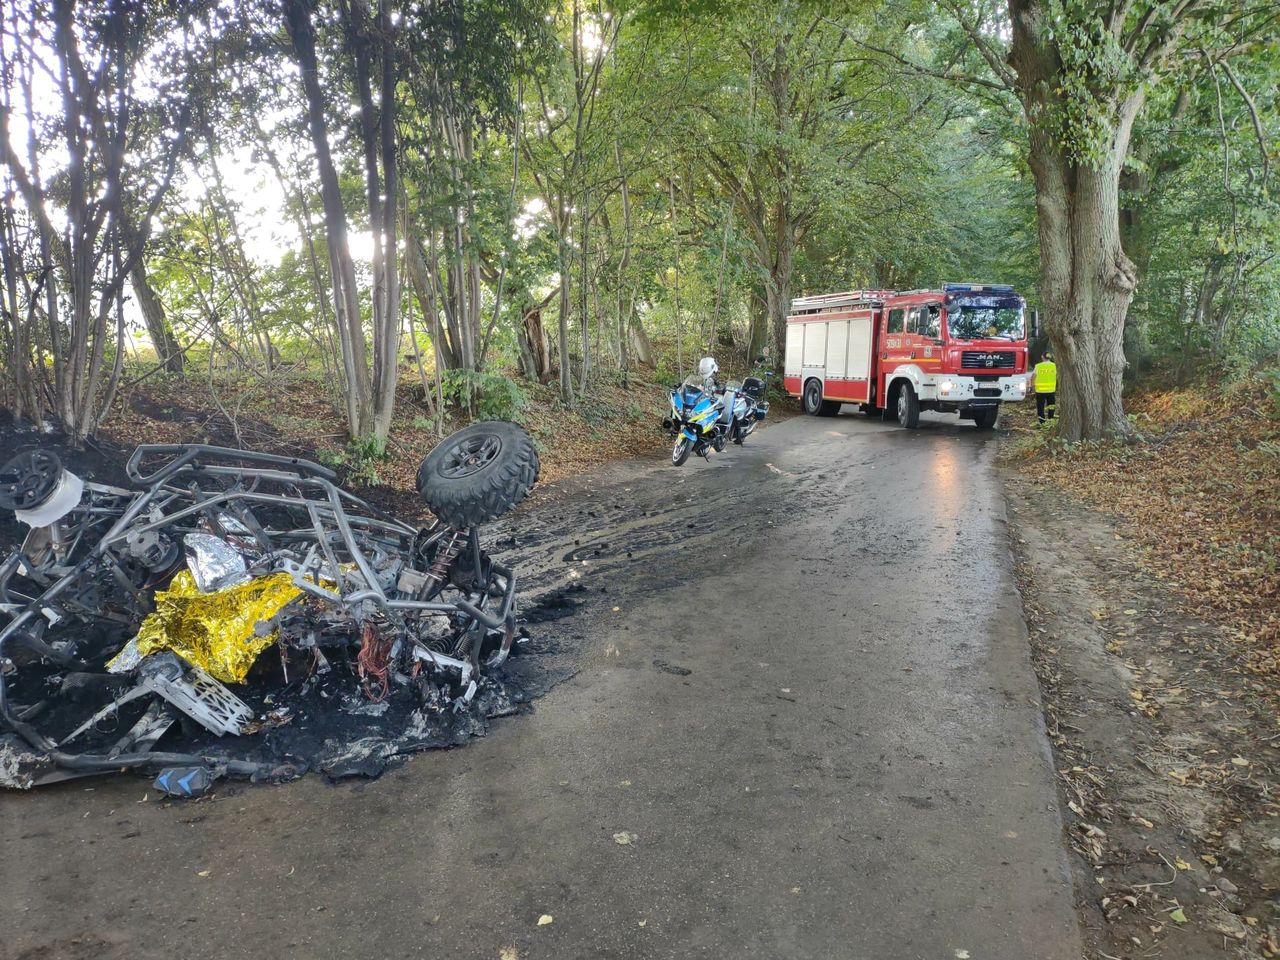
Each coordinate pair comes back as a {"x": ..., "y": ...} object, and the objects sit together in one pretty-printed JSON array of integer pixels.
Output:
[{"x": 240, "y": 614}]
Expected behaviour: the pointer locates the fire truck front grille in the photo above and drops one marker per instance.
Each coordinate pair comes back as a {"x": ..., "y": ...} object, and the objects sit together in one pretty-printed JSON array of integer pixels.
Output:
[{"x": 986, "y": 360}]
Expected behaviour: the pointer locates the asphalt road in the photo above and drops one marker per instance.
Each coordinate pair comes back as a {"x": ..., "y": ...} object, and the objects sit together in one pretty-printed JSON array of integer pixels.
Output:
[{"x": 804, "y": 725}]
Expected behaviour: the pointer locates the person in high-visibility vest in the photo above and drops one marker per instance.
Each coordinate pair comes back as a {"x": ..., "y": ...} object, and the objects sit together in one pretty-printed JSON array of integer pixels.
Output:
[{"x": 1046, "y": 382}]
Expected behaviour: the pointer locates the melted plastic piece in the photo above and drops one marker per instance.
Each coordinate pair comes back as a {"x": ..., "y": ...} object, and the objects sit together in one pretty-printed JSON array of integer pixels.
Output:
[
  {"x": 62, "y": 501},
  {"x": 185, "y": 782},
  {"x": 214, "y": 631},
  {"x": 195, "y": 693}
]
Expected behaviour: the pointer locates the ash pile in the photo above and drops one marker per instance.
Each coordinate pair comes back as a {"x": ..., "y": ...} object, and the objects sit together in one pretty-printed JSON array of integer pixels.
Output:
[{"x": 240, "y": 614}]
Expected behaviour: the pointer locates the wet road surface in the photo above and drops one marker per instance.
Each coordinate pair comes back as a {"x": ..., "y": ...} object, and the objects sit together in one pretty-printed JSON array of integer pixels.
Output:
[{"x": 803, "y": 725}]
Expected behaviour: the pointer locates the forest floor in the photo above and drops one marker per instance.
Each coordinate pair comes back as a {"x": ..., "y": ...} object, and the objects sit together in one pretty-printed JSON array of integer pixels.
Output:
[{"x": 1150, "y": 579}]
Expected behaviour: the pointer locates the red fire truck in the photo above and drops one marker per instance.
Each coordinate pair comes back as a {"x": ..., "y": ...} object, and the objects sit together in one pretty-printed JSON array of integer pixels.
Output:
[{"x": 961, "y": 349}]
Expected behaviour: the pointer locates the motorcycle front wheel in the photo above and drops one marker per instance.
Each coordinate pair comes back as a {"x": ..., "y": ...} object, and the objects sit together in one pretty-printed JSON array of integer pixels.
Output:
[{"x": 680, "y": 452}]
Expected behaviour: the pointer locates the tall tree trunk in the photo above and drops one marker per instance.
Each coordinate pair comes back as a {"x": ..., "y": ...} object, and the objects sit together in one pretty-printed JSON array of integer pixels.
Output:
[
  {"x": 778, "y": 287},
  {"x": 386, "y": 342},
  {"x": 341, "y": 267},
  {"x": 1087, "y": 284},
  {"x": 758, "y": 318},
  {"x": 424, "y": 287},
  {"x": 23, "y": 398},
  {"x": 566, "y": 372},
  {"x": 641, "y": 345},
  {"x": 168, "y": 350},
  {"x": 1086, "y": 280}
]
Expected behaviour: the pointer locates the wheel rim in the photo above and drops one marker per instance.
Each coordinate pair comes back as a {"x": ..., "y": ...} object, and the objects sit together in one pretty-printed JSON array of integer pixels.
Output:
[
  {"x": 902, "y": 404},
  {"x": 470, "y": 455},
  {"x": 29, "y": 480},
  {"x": 811, "y": 397},
  {"x": 679, "y": 448}
]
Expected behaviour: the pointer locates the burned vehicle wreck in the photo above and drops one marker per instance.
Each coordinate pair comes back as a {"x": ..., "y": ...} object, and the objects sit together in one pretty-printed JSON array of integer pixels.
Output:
[{"x": 241, "y": 614}]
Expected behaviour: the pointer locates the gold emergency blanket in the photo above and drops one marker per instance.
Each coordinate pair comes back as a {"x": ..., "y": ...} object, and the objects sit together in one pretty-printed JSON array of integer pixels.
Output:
[{"x": 216, "y": 630}]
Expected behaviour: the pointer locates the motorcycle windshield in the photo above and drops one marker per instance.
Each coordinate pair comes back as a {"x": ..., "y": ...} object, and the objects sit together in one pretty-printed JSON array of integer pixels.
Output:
[{"x": 691, "y": 392}]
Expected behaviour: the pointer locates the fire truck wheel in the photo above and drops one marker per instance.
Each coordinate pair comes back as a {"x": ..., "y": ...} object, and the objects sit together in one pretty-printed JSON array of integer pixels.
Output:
[
  {"x": 908, "y": 407},
  {"x": 986, "y": 419},
  {"x": 814, "y": 405}
]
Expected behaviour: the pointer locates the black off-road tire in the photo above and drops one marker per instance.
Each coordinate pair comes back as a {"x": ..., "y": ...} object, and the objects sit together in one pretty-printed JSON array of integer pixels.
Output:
[
  {"x": 479, "y": 473},
  {"x": 986, "y": 419}
]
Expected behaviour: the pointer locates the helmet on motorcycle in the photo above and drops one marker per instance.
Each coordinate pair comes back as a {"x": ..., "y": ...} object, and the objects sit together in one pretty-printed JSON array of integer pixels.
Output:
[{"x": 708, "y": 367}]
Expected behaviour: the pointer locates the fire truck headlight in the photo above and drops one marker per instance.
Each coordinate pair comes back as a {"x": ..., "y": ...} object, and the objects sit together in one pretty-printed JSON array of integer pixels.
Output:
[
  {"x": 1020, "y": 388},
  {"x": 946, "y": 386}
]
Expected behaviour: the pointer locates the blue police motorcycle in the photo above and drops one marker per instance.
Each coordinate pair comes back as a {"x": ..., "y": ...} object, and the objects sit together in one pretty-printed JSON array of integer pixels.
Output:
[
  {"x": 705, "y": 415},
  {"x": 697, "y": 420}
]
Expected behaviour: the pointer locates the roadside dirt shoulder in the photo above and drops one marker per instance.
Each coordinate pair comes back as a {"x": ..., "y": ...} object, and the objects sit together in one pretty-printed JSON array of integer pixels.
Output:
[{"x": 1166, "y": 747}]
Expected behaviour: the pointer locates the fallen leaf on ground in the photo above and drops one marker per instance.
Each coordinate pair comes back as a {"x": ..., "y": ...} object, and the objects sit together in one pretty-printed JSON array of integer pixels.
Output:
[
  {"x": 625, "y": 838},
  {"x": 545, "y": 919}
]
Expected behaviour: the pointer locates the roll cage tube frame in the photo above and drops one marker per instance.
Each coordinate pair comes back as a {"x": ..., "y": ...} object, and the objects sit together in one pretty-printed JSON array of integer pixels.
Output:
[{"x": 329, "y": 507}]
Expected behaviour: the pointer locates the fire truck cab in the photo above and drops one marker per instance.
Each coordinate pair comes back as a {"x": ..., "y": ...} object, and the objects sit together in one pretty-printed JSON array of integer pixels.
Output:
[{"x": 961, "y": 349}]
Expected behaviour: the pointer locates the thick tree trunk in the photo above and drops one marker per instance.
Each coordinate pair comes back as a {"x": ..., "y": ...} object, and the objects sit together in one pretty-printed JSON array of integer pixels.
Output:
[
  {"x": 778, "y": 288},
  {"x": 1086, "y": 282},
  {"x": 535, "y": 340}
]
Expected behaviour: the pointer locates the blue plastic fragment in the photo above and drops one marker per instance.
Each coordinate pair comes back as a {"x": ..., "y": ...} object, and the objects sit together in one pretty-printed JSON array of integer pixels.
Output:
[{"x": 184, "y": 782}]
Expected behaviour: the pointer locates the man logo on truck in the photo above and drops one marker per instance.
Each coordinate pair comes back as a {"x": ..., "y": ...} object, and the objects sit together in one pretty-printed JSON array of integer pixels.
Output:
[{"x": 899, "y": 353}]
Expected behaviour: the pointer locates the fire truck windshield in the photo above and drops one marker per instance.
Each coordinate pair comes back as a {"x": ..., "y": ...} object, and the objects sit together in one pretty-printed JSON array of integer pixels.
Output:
[{"x": 1000, "y": 320}]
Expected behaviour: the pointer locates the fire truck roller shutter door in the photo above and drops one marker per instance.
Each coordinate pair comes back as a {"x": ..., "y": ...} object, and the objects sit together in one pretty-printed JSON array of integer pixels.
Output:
[
  {"x": 795, "y": 350},
  {"x": 859, "y": 366},
  {"x": 837, "y": 348},
  {"x": 815, "y": 344}
]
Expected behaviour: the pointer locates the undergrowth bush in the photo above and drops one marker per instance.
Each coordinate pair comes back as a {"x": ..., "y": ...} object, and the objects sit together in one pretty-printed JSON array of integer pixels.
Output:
[
  {"x": 487, "y": 396},
  {"x": 359, "y": 459}
]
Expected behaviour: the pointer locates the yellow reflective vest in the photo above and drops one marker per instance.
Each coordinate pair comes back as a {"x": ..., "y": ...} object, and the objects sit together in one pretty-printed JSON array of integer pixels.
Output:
[{"x": 1046, "y": 376}]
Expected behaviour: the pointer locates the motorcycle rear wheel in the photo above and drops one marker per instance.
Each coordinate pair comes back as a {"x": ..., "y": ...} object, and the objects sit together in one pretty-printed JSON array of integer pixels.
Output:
[{"x": 680, "y": 452}]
